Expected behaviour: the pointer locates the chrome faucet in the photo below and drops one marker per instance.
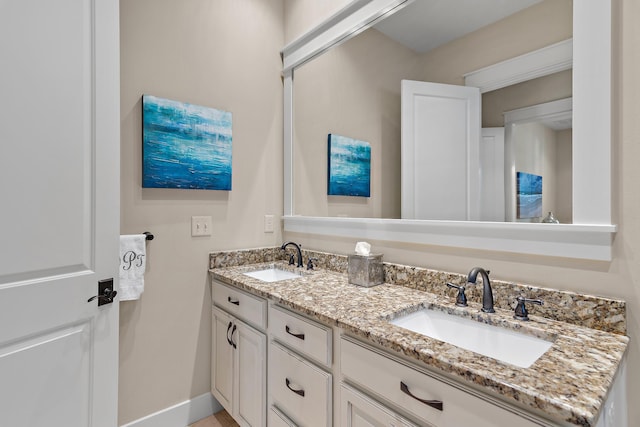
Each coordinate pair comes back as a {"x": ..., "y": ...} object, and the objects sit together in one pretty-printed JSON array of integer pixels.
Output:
[
  {"x": 284, "y": 245},
  {"x": 487, "y": 293}
]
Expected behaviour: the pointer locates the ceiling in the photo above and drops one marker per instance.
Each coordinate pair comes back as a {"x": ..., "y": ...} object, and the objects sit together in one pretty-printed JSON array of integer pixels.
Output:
[{"x": 426, "y": 24}]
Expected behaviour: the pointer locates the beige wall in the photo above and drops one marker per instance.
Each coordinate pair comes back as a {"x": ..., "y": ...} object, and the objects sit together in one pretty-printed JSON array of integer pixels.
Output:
[
  {"x": 619, "y": 278},
  {"x": 217, "y": 53},
  {"x": 302, "y": 15},
  {"x": 532, "y": 92},
  {"x": 348, "y": 91},
  {"x": 538, "y": 26},
  {"x": 564, "y": 176}
]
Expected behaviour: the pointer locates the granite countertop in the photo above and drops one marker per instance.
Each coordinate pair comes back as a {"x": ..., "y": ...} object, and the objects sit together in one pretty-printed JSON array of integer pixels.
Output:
[{"x": 568, "y": 383}]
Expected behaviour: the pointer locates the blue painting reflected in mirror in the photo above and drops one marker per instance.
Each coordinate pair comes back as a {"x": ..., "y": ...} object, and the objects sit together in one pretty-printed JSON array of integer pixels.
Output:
[
  {"x": 349, "y": 167},
  {"x": 529, "y": 195},
  {"x": 185, "y": 146}
]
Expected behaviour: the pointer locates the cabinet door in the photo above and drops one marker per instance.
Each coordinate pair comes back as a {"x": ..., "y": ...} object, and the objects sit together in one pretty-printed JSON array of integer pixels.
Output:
[
  {"x": 358, "y": 410},
  {"x": 222, "y": 359},
  {"x": 251, "y": 398}
]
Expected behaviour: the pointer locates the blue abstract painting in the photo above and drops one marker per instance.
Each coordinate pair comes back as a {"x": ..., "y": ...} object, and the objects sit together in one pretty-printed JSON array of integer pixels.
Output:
[
  {"x": 349, "y": 167},
  {"x": 529, "y": 195},
  {"x": 185, "y": 145}
]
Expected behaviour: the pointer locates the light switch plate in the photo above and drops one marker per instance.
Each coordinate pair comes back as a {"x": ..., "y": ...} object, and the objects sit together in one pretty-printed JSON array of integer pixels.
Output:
[
  {"x": 268, "y": 223},
  {"x": 200, "y": 226}
]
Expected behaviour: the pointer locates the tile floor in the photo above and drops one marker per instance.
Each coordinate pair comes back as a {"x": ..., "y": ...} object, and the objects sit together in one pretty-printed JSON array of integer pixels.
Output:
[{"x": 221, "y": 419}]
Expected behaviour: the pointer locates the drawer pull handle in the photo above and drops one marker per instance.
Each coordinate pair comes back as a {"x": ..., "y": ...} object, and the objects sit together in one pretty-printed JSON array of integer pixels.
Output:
[
  {"x": 233, "y": 331},
  {"x": 298, "y": 392},
  {"x": 233, "y": 301},
  {"x": 299, "y": 336},
  {"x": 437, "y": 404},
  {"x": 228, "y": 329}
]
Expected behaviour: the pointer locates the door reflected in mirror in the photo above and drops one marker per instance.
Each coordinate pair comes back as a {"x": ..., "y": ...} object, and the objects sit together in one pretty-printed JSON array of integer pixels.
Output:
[{"x": 355, "y": 90}]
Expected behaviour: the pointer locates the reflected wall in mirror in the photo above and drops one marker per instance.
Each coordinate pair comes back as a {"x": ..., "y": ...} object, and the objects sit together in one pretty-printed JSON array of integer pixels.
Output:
[
  {"x": 354, "y": 89},
  {"x": 538, "y": 140}
]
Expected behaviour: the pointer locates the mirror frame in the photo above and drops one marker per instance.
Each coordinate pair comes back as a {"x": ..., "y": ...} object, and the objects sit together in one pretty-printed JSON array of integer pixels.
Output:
[{"x": 592, "y": 232}]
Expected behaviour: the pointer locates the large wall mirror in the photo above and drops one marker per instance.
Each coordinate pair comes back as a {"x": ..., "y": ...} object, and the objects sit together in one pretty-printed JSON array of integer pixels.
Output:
[{"x": 348, "y": 75}]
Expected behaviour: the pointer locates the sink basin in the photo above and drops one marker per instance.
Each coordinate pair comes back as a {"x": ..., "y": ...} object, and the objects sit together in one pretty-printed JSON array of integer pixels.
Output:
[
  {"x": 499, "y": 343},
  {"x": 272, "y": 274}
]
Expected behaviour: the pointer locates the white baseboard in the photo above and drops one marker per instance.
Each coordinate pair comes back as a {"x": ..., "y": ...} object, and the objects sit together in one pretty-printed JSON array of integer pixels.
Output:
[{"x": 180, "y": 415}]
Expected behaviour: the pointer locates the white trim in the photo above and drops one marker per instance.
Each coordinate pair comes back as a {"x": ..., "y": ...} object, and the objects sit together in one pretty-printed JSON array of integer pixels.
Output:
[
  {"x": 592, "y": 112},
  {"x": 562, "y": 108},
  {"x": 353, "y": 19},
  {"x": 180, "y": 415},
  {"x": 288, "y": 142},
  {"x": 558, "y": 240},
  {"x": 538, "y": 63}
]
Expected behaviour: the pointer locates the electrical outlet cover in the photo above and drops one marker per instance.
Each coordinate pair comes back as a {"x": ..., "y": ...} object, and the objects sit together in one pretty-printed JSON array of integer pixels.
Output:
[{"x": 268, "y": 223}]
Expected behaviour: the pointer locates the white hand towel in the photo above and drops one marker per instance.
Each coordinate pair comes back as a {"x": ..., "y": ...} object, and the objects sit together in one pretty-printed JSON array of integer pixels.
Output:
[{"x": 132, "y": 266}]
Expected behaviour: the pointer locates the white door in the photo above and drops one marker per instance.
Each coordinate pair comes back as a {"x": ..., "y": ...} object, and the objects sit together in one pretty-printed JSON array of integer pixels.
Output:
[
  {"x": 440, "y": 151},
  {"x": 492, "y": 191},
  {"x": 59, "y": 189}
]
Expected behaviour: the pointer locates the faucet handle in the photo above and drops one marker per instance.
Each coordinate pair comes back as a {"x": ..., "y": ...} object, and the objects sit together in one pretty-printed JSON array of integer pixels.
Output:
[
  {"x": 461, "y": 298},
  {"x": 291, "y": 259},
  {"x": 310, "y": 263},
  {"x": 521, "y": 312}
]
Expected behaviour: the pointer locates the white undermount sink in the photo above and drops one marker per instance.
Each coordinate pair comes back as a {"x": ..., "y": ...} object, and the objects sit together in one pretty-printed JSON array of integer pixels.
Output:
[
  {"x": 272, "y": 274},
  {"x": 499, "y": 343}
]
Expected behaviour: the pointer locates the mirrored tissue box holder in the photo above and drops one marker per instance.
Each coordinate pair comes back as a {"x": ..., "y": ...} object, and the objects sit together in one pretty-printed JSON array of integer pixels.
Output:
[{"x": 366, "y": 270}]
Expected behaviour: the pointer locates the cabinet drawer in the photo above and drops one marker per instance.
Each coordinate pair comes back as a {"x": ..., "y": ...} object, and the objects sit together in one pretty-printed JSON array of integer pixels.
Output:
[
  {"x": 244, "y": 306},
  {"x": 358, "y": 410},
  {"x": 300, "y": 389},
  {"x": 278, "y": 419},
  {"x": 386, "y": 377},
  {"x": 304, "y": 336}
]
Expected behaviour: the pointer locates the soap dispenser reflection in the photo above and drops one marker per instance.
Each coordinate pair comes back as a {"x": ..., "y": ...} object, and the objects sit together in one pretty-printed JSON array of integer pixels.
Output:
[{"x": 550, "y": 219}]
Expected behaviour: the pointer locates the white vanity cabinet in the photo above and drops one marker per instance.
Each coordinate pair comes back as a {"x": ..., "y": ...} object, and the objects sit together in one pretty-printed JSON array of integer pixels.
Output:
[
  {"x": 431, "y": 401},
  {"x": 239, "y": 356},
  {"x": 274, "y": 366},
  {"x": 614, "y": 410}
]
